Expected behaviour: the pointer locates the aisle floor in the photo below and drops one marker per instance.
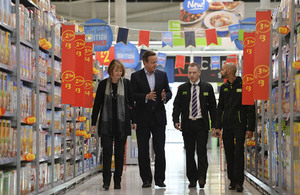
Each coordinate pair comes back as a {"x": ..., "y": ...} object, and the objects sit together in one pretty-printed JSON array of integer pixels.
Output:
[{"x": 176, "y": 181}]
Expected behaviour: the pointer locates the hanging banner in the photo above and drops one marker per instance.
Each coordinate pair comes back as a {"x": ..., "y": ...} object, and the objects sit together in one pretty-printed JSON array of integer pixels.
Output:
[
  {"x": 88, "y": 75},
  {"x": 161, "y": 59},
  {"x": 144, "y": 38},
  {"x": 239, "y": 44},
  {"x": 67, "y": 64},
  {"x": 211, "y": 36},
  {"x": 127, "y": 54},
  {"x": 79, "y": 69},
  {"x": 262, "y": 55},
  {"x": 100, "y": 32},
  {"x": 234, "y": 31},
  {"x": 122, "y": 35},
  {"x": 248, "y": 67},
  {"x": 215, "y": 62},
  {"x": 180, "y": 62},
  {"x": 167, "y": 39},
  {"x": 142, "y": 53},
  {"x": 105, "y": 57},
  {"x": 232, "y": 58},
  {"x": 189, "y": 38}
]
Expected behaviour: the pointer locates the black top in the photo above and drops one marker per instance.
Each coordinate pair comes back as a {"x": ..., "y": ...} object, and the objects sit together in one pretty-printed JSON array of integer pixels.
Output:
[{"x": 114, "y": 109}]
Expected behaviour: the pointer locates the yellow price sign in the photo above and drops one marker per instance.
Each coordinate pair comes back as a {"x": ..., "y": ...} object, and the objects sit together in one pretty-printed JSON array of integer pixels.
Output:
[{"x": 30, "y": 120}]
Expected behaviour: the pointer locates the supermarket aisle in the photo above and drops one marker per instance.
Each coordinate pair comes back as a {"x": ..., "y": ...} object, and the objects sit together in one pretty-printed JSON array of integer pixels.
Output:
[{"x": 176, "y": 182}]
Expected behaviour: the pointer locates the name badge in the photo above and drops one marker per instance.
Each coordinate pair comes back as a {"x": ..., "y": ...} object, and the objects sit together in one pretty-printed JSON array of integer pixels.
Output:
[
  {"x": 205, "y": 93},
  {"x": 239, "y": 90},
  {"x": 225, "y": 89},
  {"x": 184, "y": 93}
]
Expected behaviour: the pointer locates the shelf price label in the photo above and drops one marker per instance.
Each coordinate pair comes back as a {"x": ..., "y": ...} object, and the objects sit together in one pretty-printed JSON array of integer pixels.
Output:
[
  {"x": 87, "y": 136},
  {"x": 87, "y": 155},
  {"x": 43, "y": 43},
  {"x": 283, "y": 30},
  {"x": 2, "y": 111},
  {"x": 296, "y": 65},
  {"x": 251, "y": 142},
  {"x": 80, "y": 133},
  {"x": 30, "y": 120},
  {"x": 81, "y": 118},
  {"x": 29, "y": 157}
]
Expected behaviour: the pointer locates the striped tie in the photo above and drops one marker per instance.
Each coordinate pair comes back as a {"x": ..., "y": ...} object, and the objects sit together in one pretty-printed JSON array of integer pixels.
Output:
[{"x": 194, "y": 102}]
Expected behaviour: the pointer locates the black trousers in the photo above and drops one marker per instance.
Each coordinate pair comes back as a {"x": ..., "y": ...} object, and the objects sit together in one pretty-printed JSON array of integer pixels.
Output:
[
  {"x": 143, "y": 134},
  {"x": 119, "y": 150},
  {"x": 195, "y": 137},
  {"x": 234, "y": 153}
]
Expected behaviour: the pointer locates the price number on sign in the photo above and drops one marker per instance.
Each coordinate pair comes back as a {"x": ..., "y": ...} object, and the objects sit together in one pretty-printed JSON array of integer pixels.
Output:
[
  {"x": 261, "y": 71},
  {"x": 79, "y": 44},
  {"x": 68, "y": 35},
  {"x": 79, "y": 80},
  {"x": 249, "y": 42},
  {"x": 30, "y": 120},
  {"x": 88, "y": 51},
  {"x": 263, "y": 26},
  {"x": 67, "y": 76},
  {"x": 248, "y": 79}
]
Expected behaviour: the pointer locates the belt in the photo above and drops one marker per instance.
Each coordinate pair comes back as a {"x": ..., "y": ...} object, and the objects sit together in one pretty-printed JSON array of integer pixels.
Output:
[{"x": 196, "y": 119}]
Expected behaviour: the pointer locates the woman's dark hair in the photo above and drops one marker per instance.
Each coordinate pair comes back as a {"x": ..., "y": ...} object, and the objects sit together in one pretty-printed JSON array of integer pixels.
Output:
[{"x": 116, "y": 63}]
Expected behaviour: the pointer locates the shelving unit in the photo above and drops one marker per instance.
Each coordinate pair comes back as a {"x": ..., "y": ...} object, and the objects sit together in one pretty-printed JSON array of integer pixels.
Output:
[{"x": 274, "y": 161}]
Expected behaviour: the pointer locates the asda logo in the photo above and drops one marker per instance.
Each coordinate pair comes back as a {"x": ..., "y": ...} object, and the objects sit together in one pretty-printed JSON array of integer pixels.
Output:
[{"x": 195, "y": 6}]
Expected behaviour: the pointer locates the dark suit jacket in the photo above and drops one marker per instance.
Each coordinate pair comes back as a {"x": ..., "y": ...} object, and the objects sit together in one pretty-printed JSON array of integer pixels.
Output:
[
  {"x": 99, "y": 101},
  {"x": 182, "y": 105},
  {"x": 140, "y": 87}
]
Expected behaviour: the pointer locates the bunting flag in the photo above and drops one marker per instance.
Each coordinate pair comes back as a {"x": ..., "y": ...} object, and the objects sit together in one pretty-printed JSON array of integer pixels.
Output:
[
  {"x": 198, "y": 60},
  {"x": 141, "y": 53},
  {"x": 248, "y": 60},
  {"x": 67, "y": 64},
  {"x": 122, "y": 35},
  {"x": 211, "y": 36},
  {"x": 180, "y": 61},
  {"x": 189, "y": 38},
  {"x": 167, "y": 39},
  {"x": 88, "y": 75},
  {"x": 144, "y": 38},
  {"x": 79, "y": 70},
  {"x": 161, "y": 59},
  {"x": 215, "y": 62},
  {"x": 234, "y": 31},
  {"x": 262, "y": 55}
]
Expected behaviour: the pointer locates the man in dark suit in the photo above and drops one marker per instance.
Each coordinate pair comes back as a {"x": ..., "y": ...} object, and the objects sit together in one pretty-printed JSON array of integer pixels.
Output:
[
  {"x": 193, "y": 101},
  {"x": 151, "y": 91}
]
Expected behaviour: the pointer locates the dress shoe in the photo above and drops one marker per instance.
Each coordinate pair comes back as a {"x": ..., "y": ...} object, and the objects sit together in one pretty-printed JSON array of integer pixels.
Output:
[
  {"x": 232, "y": 186},
  {"x": 146, "y": 184},
  {"x": 160, "y": 184},
  {"x": 117, "y": 186},
  {"x": 106, "y": 186},
  {"x": 192, "y": 184},
  {"x": 239, "y": 188},
  {"x": 201, "y": 183}
]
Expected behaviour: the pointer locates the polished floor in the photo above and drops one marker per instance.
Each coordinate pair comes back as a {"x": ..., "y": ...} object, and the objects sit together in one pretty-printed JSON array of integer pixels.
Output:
[{"x": 176, "y": 181}]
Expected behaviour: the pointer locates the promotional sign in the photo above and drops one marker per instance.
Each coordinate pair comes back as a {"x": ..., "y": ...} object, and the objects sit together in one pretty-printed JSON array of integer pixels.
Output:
[
  {"x": 215, "y": 62},
  {"x": 105, "y": 57},
  {"x": 101, "y": 34},
  {"x": 248, "y": 60},
  {"x": 161, "y": 59},
  {"x": 88, "y": 75},
  {"x": 234, "y": 31},
  {"x": 67, "y": 64},
  {"x": 79, "y": 70},
  {"x": 127, "y": 54},
  {"x": 195, "y": 6},
  {"x": 167, "y": 39},
  {"x": 262, "y": 55}
]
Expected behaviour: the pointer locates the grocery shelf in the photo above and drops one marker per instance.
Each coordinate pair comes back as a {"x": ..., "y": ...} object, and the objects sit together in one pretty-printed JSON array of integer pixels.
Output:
[{"x": 6, "y": 161}]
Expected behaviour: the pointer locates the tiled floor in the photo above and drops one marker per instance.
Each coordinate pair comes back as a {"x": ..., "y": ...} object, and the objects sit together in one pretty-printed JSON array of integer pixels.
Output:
[{"x": 176, "y": 181}]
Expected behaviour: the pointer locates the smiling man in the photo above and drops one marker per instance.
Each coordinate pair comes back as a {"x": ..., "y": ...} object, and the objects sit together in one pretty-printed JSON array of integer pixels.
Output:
[{"x": 193, "y": 101}]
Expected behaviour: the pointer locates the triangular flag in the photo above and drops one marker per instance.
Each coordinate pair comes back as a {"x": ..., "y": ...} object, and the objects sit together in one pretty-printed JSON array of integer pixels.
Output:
[
  {"x": 211, "y": 36},
  {"x": 161, "y": 59},
  {"x": 198, "y": 60},
  {"x": 234, "y": 31},
  {"x": 122, "y": 35},
  {"x": 189, "y": 38},
  {"x": 232, "y": 58},
  {"x": 141, "y": 53},
  {"x": 167, "y": 39},
  {"x": 144, "y": 38},
  {"x": 180, "y": 61}
]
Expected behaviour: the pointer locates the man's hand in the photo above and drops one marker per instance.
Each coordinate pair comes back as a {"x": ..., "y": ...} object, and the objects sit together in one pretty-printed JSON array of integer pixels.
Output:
[
  {"x": 177, "y": 126},
  {"x": 249, "y": 134},
  {"x": 133, "y": 126},
  {"x": 151, "y": 96},
  {"x": 93, "y": 129},
  {"x": 216, "y": 132},
  {"x": 163, "y": 95}
]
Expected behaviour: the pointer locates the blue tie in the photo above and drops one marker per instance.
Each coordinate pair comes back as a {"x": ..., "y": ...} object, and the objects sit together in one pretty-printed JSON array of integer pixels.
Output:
[{"x": 194, "y": 101}]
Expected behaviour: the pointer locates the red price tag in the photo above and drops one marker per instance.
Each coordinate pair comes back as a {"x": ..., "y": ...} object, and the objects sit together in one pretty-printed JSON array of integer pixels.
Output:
[
  {"x": 30, "y": 120},
  {"x": 284, "y": 30},
  {"x": 2, "y": 111},
  {"x": 81, "y": 118},
  {"x": 29, "y": 157}
]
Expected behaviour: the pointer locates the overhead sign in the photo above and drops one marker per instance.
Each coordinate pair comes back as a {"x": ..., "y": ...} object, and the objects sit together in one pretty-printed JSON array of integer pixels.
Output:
[
  {"x": 105, "y": 57},
  {"x": 127, "y": 54},
  {"x": 195, "y": 6},
  {"x": 100, "y": 33}
]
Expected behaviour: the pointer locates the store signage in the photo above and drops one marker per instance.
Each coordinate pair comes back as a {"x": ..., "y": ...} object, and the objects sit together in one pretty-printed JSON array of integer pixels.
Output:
[
  {"x": 2, "y": 111},
  {"x": 248, "y": 60},
  {"x": 262, "y": 55},
  {"x": 195, "y": 6},
  {"x": 68, "y": 64},
  {"x": 167, "y": 39},
  {"x": 215, "y": 62},
  {"x": 105, "y": 57},
  {"x": 127, "y": 54},
  {"x": 161, "y": 59},
  {"x": 88, "y": 75},
  {"x": 100, "y": 32},
  {"x": 30, "y": 120},
  {"x": 283, "y": 30},
  {"x": 234, "y": 31},
  {"x": 79, "y": 70}
]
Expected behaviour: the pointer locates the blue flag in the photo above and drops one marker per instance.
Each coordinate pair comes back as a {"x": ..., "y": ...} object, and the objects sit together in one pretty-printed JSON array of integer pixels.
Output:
[
  {"x": 215, "y": 62},
  {"x": 167, "y": 39},
  {"x": 198, "y": 60},
  {"x": 161, "y": 59},
  {"x": 234, "y": 31},
  {"x": 142, "y": 52},
  {"x": 122, "y": 35},
  {"x": 189, "y": 38}
]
